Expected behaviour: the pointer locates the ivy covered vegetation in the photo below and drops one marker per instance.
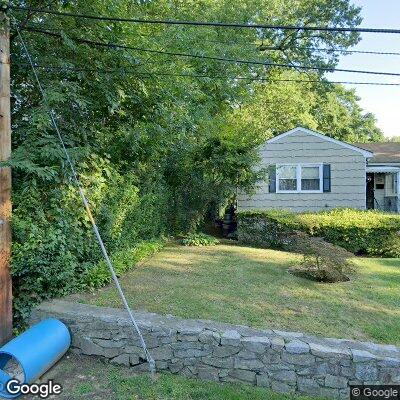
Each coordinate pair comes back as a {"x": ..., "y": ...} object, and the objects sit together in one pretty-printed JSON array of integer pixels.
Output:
[{"x": 156, "y": 147}]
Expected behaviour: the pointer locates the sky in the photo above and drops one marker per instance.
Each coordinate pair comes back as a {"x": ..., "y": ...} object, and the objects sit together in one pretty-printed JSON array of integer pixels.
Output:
[{"x": 382, "y": 101}]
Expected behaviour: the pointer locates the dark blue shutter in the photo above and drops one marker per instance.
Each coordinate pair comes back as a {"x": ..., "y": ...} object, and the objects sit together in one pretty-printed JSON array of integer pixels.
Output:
[
  {"x": 326, "y": 175},
  {"x": 272, "y": 178}
]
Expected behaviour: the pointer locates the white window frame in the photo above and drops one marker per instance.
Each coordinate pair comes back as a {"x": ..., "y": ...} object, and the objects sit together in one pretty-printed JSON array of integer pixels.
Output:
[{"x": 298, "y": 177}]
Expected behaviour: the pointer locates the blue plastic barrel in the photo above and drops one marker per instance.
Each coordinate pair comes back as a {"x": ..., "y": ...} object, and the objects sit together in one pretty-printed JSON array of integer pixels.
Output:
[{"x": 36, "y": 350}]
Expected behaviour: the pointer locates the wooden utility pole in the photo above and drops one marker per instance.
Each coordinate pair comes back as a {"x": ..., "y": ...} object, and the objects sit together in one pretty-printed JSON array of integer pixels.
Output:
[{"x": 5, "y": 183}]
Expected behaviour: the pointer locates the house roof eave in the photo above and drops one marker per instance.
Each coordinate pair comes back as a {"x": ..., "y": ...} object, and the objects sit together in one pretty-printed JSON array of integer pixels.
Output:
[{"x": 365, "y": 153}]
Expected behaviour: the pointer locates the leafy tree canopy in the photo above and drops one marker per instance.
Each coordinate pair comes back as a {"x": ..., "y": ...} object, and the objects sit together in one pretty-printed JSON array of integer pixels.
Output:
[{"x": 286, "y": 102}]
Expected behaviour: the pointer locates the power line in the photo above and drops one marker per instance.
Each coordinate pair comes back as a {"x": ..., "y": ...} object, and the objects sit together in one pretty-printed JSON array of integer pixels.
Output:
[
  {"x": 204, "y": 23},
  {"x": 334, "y": 50},
  {"x": 261, "y": 47},
  {"x": 158, "y": 73},
  {"x": 221, "y": 59},
  {"x": 344, "y": 51}
]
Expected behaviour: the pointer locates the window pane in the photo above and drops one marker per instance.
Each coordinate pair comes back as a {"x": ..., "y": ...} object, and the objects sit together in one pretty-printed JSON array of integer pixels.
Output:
[
  {"x": 310, "y": 178},
  {"x": 287, "y": 184},
  {"x": 286, "y": 171},
  {"x": 391, "y": 184},
  {"x": 310, "y": 172},
  {"x": 287, "y": 177},
  {"x": 310, "y": 184}
]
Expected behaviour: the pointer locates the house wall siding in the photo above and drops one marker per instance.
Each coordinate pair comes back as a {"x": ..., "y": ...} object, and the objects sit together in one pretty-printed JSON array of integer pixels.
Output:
[{"x": 347, "y": 175}]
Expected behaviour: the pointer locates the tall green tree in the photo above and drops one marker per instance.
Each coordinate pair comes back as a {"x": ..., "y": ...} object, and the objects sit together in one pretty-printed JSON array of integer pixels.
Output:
[{"x": 292, "y": 98}]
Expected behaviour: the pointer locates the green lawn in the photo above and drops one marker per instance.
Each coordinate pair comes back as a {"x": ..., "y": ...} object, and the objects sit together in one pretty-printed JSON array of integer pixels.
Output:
[
  {"x": 249, "y": 286},
  {"x": 88, "y": 378}
]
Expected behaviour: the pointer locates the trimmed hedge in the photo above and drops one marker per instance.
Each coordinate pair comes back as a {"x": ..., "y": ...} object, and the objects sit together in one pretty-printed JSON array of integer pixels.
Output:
[{"x": 369, "y": 233}]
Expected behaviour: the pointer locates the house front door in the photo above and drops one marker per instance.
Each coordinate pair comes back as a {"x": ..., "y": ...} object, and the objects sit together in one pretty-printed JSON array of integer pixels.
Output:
[{"x": 370, "y": 191}]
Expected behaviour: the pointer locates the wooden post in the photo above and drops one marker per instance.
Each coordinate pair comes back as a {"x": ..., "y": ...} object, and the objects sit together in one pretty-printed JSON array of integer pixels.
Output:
[{"x": 5, "y": 183}]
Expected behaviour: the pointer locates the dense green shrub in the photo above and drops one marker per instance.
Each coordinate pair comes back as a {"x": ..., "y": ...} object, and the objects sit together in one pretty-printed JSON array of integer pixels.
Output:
[
  {"x": 199, "y": 239},
  {"x": 370, "y": 233},
  {"x": 124, "y": 260},
  {"x": 51, "y": 248},
  {"x": 54, "y": 249},
  {"x": 265, "y": 229}
]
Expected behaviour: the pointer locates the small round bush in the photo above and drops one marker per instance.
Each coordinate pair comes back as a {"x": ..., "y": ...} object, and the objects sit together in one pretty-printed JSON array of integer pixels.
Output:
[
  {"x": 321, "y": 261},
  {"x": 199, "y": 239}
]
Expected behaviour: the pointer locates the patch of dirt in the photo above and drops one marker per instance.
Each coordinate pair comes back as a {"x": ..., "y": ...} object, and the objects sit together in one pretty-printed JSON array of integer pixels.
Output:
[{"x": 81, "y": 378}]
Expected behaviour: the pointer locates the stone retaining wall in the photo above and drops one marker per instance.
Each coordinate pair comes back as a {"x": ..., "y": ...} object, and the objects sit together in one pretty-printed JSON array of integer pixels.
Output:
[{"x": 282, "y": 361}]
